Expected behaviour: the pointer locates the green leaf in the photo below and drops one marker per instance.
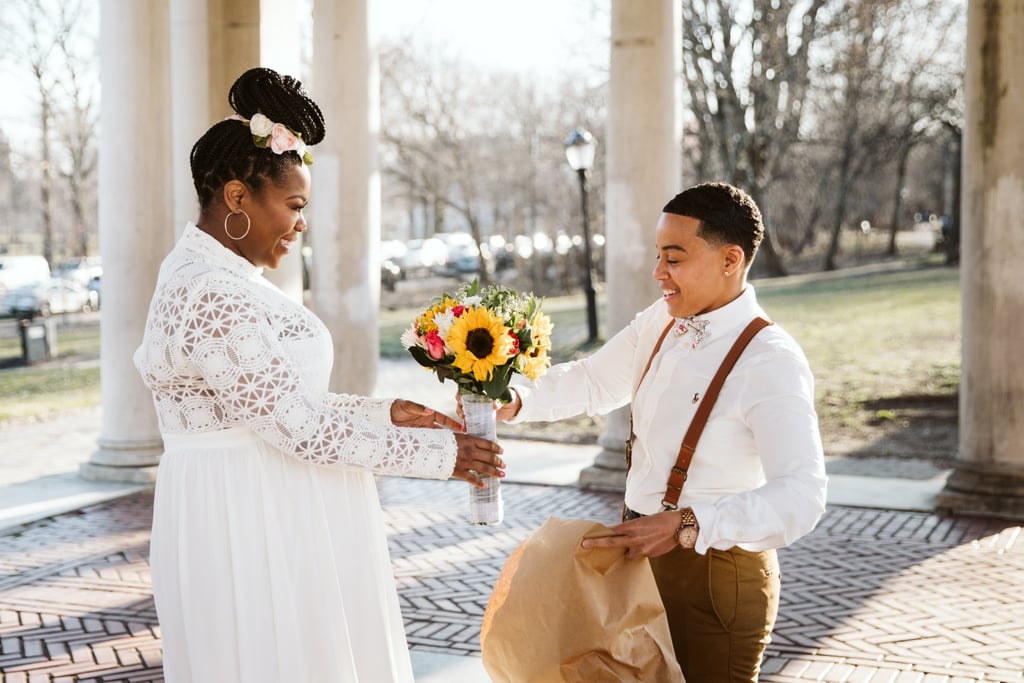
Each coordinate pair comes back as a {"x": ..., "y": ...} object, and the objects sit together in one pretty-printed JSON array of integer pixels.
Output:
[
  {"x": 423, "y": 358},
  {"x": 497, "y": 385}
]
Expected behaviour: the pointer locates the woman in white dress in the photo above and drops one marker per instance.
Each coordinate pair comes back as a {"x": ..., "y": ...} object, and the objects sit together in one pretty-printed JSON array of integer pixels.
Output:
[{"x": 268, "y": 553}]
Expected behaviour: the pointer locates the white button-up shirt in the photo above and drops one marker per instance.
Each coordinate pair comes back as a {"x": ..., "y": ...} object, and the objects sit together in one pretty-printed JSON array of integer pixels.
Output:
[{"x": 757, "y": 479}]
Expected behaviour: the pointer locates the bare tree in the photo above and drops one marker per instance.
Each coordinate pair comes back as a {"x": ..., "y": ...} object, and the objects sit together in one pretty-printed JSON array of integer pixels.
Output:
[
  {"x": 49, "y": 37},
  {"x": 38, "y": 51},
  {"x": 884, "y": 88},
  {"x": 454, "y": 152},
  {"x": 746, "y": 80},
  {"x": 77, "y": 126},
  {"x": 430, "y": 146}
]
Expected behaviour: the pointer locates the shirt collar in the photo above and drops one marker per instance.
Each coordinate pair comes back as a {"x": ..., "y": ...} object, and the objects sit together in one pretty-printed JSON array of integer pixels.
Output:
[
  {"x": 698, "y": 329},
  {"x": 210, "y": 250}
]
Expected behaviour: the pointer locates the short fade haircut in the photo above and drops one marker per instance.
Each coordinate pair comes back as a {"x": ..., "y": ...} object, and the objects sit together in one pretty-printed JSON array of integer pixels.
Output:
[{"x": 727, "y": 215}]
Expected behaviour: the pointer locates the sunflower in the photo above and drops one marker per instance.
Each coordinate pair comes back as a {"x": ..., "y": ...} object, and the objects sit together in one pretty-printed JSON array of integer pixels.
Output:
[
  {"x": 534, "y": 363},
  {"x": 480, "y": 341},
  {"x": 542, "y": 327}
]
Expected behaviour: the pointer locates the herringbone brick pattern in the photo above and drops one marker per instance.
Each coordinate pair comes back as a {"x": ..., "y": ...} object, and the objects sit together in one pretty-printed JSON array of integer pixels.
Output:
[
  {"x": 869, "y": 597},
  {"x": 75, "y": 598}
]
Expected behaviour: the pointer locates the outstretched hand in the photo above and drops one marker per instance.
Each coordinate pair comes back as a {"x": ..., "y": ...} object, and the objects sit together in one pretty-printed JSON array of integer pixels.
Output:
[
  {"x": 477, "y": 458},
  {"x": 648, "y": 536},
  {"x": 411, "y": 414},
  {"x": 503, "y": 411}
]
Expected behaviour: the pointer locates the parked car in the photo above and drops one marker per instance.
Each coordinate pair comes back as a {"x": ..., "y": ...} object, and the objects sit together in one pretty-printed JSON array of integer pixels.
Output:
[
  {"x": 94, "y": 287},
  {"x": 16, "y": 271},
  {"x": 392, "y": 256},
  {"x": 390, "y": 274},
  {"x": 79, "y": 270},
  {"x": 424, "y": 257},
  {"x": 463, "y": 254},
  {"x": 52, "y": 296}
]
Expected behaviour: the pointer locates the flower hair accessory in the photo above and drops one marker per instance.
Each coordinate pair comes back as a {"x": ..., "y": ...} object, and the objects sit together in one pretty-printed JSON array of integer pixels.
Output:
[{"x": 277, "y": 136}]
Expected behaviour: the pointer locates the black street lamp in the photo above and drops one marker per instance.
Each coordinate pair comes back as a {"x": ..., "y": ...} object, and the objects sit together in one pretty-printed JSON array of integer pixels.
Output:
[{"x": 580, "y": 148}]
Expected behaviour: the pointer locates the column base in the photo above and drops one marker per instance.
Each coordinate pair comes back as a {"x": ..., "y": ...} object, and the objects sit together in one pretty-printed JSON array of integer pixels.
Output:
[
  {"x": 608, "y": 473},
  {"x": 984, "y": 490},
  {"x": 123, "y": 475},
  {"x": 126, "y": 461}
]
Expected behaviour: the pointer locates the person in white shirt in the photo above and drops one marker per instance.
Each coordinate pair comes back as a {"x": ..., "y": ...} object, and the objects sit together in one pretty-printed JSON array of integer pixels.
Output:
[{"x": 757, "y": 477}]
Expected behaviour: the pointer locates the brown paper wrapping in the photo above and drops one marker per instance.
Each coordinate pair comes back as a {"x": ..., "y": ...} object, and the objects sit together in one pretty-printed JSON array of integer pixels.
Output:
[{"x": 561, "y": 613}]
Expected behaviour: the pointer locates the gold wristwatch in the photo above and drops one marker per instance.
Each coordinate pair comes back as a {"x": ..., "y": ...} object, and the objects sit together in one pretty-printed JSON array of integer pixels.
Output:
[{"x": 686, "y": 534}]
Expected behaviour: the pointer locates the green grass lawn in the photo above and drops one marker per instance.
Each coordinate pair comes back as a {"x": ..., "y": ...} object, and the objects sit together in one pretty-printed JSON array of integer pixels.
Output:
[
  {"x": 883, "y": 347},
  {"x": 879, "y": 345},
  {"x": 72, "y": 380}
]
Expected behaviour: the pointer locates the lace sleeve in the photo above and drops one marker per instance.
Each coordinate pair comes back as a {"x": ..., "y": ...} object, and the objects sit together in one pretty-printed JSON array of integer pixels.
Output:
[
  {"x": 375, "y": 410},
  {"x": 232, "y": 345}
]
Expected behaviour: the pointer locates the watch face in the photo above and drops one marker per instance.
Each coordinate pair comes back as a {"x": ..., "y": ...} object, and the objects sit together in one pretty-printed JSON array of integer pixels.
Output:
[{"x": 688, "y": 537}]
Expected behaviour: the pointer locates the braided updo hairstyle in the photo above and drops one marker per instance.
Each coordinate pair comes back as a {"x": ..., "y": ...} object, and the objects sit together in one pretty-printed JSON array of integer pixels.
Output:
[{"x": 227, "y": 151}]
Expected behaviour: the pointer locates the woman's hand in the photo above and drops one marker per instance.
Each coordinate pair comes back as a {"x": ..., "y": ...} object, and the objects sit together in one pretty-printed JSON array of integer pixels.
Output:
[
  {"x": 503, "y": 411},
  {"x": 648, "y": 536},
  {"x": 477, "y": 457},
  {"x": 411, "y": 414}
]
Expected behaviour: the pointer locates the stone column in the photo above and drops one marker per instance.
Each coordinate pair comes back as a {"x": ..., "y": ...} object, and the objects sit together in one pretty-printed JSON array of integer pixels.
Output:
[
  {"x": 135, "y": 210},
  {"x": 988, "y": 475},
  {"x": 345, "y": 220},
  {"x": 278, "y": 40},
  {"x": 643, "y": 171},
  {"x": 191, "y": 103}
]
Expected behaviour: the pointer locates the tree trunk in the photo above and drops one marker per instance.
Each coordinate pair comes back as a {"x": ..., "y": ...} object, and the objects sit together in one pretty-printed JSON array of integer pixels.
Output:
[
  {"x": 840, "y": 212},
  {"x": 474, "y": 229},
  {"x": 952, "y": 244},
  {"x": 770, "y": 262},
  {"x": 897, "y": 204},
  {"x": 46, "y": 179}
]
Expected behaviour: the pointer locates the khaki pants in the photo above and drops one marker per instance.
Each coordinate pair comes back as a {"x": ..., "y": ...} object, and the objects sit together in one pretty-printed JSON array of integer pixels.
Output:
[{"x": 721, "y": 608}]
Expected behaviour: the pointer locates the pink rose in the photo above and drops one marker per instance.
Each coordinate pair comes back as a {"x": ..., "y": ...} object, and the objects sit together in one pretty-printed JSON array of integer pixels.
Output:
[
  {"x": 435, "y": 345},
  {"x": 282, "y": 139}
]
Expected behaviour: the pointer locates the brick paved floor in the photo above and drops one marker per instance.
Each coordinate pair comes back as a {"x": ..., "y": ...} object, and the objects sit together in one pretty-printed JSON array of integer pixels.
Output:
[{"x": 870, "y": 596}]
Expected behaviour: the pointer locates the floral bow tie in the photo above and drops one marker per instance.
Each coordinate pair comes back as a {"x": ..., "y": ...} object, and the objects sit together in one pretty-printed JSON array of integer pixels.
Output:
[{"x": 695, "y": 327}]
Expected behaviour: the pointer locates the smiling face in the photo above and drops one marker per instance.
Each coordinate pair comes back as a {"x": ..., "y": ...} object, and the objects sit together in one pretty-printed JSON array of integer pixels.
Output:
[
  {"x": 276, "y": 214},
  {"x": 692, "y": 271}
]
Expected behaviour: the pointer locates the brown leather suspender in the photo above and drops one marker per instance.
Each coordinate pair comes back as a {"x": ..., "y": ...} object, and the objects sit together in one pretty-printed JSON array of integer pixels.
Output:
[
  {"x": 632, "y": 436},
  {"x": 678, "y": 474}
]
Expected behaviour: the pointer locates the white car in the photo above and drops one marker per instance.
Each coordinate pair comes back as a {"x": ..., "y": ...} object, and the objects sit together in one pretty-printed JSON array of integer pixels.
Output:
[
  {"x": 16, "y": 271},
  {"x": 45, "y": 298},
  {"x": 423, "y": 257}
]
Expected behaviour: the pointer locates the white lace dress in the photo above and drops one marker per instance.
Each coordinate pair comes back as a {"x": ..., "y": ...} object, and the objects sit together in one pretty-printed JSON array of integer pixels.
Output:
[{"x": 269, "y": 557}]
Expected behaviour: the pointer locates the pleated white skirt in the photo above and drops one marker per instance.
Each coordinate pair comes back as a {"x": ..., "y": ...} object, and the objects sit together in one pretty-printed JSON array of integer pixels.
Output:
[{"x": 266, "y": 569}]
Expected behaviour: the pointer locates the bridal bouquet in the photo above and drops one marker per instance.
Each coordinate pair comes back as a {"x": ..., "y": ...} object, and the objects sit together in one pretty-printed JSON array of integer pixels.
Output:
[{"x": 479, "y": 338}]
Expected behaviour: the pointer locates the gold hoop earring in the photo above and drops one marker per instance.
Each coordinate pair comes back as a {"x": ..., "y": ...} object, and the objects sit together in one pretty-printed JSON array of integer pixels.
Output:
[{"x": 248, "y": 225}]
